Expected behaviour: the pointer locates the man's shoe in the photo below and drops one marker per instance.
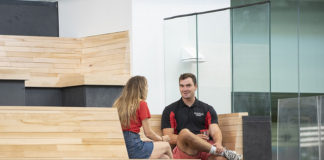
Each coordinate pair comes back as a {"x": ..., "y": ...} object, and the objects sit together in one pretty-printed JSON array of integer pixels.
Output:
[{"x": 231, "y": 155}]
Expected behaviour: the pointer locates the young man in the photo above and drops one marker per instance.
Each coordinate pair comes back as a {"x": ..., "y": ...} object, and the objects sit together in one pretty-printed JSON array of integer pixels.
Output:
[{"x": 184, "y": 121}]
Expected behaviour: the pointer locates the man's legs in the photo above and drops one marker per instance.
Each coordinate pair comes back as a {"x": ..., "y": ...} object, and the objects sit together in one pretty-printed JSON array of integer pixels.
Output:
[{"x": 191, "y": 144}]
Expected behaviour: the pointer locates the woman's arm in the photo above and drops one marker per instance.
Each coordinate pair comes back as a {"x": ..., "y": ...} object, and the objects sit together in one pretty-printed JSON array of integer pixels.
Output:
[
  {"x": 149, "y": 133},
  {"x": 170, "y": 132}
]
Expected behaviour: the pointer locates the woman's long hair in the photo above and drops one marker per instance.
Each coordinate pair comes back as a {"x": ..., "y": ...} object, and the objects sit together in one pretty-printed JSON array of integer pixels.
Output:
[{"x": 128, "y": 102}]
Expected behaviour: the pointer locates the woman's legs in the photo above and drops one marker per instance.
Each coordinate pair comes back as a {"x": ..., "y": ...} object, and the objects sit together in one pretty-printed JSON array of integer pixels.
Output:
[{"x": 161, "y": 150}]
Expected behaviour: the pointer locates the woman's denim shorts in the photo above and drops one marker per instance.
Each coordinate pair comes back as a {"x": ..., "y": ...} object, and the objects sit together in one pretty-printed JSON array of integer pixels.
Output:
[{"x": 136, "y": 148}]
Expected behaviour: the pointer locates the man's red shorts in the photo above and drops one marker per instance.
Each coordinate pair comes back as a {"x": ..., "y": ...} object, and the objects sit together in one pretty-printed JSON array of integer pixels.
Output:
[{"x": 178, "y": 154}]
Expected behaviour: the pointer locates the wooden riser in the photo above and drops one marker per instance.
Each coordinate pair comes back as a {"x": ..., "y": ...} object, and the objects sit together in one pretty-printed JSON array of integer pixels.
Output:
[
  {"x": 63, "y": 62},
  {"x": 60, "y": 133}
]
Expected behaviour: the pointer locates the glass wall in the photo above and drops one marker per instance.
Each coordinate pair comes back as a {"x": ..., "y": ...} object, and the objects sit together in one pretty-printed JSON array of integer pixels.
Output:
[
  {"x": 296, "y": 61},
  {"x": 248, "y": 57},
  {"x": 300, "y": 129},
  {"x": 200, "y": 44},
  {"x": 288, "y": 129},
  {"x": 251, "y": 59},
  {"x": 215, "y": 72},
  {"x": 311, "y": 46}
]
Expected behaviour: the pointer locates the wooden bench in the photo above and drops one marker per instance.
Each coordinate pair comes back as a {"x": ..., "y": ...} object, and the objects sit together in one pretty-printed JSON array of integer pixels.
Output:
[
  {"x": 60, "y": 133},
  {"x": 230, "y": 125}
]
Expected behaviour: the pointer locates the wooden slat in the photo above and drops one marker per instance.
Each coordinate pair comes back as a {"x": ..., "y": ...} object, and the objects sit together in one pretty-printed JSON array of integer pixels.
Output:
[
  {"x": 110, "y": 59},
  {"x": 111, "y": 46},
  {"x": 14, "y": 74},
  {"x": 112, "y": 151},
  {"x": 92, "y": 44},
  {"x": 60, "y": 133},
  {"x": 41, "y": 55},
  {"x": 37, "y": 135},
  {"x": 43, "y": 44},
  {"x": 41, "y": 50},
  {"x": 106, "y": 36}
]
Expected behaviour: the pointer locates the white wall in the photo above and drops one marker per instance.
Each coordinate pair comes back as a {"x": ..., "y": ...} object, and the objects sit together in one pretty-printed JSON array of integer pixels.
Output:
[
  {"x": 80, "y": 18},
  {"x": 147, "y": 40},
  {"x": 144, "y": 19}
]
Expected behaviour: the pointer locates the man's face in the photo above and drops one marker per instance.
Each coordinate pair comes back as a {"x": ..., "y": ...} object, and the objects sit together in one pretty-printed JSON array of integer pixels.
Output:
[{"x": 187, "y": 88}]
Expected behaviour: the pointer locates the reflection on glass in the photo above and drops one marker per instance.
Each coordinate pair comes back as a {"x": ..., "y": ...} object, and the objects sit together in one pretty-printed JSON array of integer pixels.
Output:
[
  {"x": 311, "y": 40},
  {"x": 215, "y": 72},
  {"x": 309, "y": 131},
  {"x": 288, "y": 129},
  {"x": 300, "y": 128},
  {"x": 250, "y": 49},
  {"x": 274, "y": 115},
  {"x": 321, "y": 124},
  {"x": 297, "y": 57},
  {"x": 179, "y": 53},
  {"x": 284, "y": 47}
]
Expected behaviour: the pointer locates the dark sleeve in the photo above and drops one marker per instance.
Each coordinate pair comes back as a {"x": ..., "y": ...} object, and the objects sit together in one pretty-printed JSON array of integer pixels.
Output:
[
  {"x": 165, "y": 122},
  {"x": 214, "y": 118}
]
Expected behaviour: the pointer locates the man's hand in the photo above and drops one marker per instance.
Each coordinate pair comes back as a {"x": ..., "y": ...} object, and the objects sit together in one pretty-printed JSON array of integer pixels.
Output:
[
  {"x": 219, "y": 148},
  {"x": 202, "y": 136}
]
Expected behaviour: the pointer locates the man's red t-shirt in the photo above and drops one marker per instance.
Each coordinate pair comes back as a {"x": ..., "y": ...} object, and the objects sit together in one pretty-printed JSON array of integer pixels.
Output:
[{"x": 141, "y": 114}]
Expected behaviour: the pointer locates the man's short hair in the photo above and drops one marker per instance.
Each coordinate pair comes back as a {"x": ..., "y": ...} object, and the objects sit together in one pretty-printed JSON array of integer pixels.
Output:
[{"x": 188, "y": 75}]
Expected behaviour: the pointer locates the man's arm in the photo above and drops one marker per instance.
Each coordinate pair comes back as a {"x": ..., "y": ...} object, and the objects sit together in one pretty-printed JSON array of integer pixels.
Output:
[
  {"x": 216, "y": 134},
  {"x": 170, "y": 133}
]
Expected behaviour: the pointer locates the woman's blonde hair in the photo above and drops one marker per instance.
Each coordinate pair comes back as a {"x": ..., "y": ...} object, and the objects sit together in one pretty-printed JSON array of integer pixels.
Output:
[{"x": 128, "y": 102}]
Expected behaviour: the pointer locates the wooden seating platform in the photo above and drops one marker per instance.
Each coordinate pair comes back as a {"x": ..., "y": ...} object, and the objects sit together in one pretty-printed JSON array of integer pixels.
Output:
[
  {"x": 230, "y": 124},
  {"x": 60, "y": 133},
  {"x": 81, "y": 132}
]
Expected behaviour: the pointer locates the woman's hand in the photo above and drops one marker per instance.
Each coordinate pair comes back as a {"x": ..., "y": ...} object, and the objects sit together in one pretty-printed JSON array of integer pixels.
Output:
[{"x": 165, "y": 138}]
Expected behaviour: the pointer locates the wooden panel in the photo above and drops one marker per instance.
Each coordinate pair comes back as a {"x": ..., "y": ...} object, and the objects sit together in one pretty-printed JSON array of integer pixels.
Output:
[
  {"x": 106, "y": 55},
  {"x": 60, "y": 133},
  {"x": 14, "y": 74},
  {"x": 63, "y": 62},
  {"x": 232, "y": 130},
  {"x": 44, "y": 58}
]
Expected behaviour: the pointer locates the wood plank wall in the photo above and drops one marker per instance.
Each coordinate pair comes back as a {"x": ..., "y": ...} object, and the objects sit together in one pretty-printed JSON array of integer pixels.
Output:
[
  {"x": 231, "y": 126},
  {"x": 60, "y": 133},
  {"x": 62, "y": 62},
  {"x": 105, "y": 59}
]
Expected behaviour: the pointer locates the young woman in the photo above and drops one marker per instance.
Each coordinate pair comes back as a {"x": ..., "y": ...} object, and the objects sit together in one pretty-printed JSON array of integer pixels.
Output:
[{"x": 133, "y": 114}]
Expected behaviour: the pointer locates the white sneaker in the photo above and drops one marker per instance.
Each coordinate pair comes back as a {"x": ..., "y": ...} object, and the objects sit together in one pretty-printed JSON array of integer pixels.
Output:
[{"x": 231, "y": 155}]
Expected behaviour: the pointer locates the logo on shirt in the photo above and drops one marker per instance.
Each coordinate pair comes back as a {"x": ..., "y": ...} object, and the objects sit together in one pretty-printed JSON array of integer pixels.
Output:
[{"x": 198, "y": 114}]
